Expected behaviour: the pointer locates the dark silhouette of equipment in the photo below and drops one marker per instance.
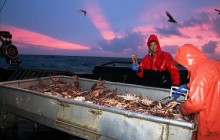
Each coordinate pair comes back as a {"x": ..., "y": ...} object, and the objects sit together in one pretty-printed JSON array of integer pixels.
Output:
[
  {"x": 83, "y": 11},
  {"x": 171, "y": 19},
  {"x": 7, "y": 49},
  {"x": 218, "y": 11}
]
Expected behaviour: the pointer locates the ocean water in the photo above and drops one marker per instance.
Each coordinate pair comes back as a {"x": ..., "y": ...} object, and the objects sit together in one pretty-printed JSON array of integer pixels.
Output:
[{"x": 75, "y": 64}]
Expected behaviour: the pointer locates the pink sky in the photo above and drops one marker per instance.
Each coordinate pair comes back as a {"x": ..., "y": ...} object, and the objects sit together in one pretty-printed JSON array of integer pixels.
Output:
[
  {"x": 109, "y": 30},
  {"x": 99, "y": 20},
  {"x": 26, "y": 37}
]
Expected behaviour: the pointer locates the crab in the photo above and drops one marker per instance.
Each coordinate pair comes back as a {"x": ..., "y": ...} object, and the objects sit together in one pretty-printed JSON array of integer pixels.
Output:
[
  {"x": 102, "y": 95},
  {"x": 96, "y": 92},
  {"x": 75, "y": 82}
]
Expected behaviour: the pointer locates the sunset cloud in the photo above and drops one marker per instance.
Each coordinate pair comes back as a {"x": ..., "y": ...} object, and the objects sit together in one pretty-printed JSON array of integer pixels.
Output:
[
  {"x": 169, "y": 30},
  {"x": 216, "y": 28},
  {"x": 23, "y": 36},
  {"x": 209, "y": 47},
  {"x": 201, "y": 29},
  {"x": 132, "y": 41},
  {"x": 98, "y": 19},
  {"x": 171, "y": 49},
  {"x": 111, "y": 28}
]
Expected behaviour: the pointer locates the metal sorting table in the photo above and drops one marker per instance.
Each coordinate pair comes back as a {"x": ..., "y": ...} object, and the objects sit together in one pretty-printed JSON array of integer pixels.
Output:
[{"x": 92, "y": 121}]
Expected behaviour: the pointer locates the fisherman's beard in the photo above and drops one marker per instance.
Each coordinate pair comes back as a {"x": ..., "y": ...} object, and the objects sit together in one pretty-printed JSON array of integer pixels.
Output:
[{"x": 151, "y": 53}]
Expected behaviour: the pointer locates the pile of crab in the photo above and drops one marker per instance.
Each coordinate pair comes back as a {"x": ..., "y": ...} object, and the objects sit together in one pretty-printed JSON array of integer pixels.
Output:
[{"x": 102, "y": 95}]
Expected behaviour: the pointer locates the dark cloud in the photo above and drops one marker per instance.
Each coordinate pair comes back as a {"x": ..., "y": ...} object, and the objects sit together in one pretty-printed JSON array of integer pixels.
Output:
[
  {"x": 199, "y": 37},
  {"x": 131, "y": 41},
  {"x": 200, "y": 19},
  {"x": 170, "y": 48},
  {"x": 209, "y": 47},
  {"x": 203, "y": 18},
  {"x": 170, "y": 30},
  {"x": 214, "y": 56},
  {"x": 216, "y": 26}
]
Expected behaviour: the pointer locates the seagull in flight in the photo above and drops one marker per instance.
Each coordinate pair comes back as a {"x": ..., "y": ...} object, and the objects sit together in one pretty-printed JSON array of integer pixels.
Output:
[
  {"x": 218, "y": 11},
  {"x": 83, "y": 12},
  {"x": 171, "y": 19}
]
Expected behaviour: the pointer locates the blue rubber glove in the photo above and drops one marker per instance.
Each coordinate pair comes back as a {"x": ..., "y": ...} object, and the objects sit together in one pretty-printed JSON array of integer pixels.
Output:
[
  {"x": 181, "y": 87},
  {"x": 177, "y": 95},
  {"x": 135, "y": 67}
]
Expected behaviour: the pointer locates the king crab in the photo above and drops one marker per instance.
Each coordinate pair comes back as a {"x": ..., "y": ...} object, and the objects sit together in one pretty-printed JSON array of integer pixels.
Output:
[{"x": 103, "y": 95}]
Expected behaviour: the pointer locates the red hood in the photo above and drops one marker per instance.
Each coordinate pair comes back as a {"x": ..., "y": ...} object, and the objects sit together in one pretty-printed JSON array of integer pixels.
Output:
[
  {"x": 188, "y": 56},
  {"x": 151, "y": 38}
]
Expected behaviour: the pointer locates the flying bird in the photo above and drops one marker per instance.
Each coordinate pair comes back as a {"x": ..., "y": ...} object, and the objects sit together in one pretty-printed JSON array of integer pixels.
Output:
[
  {"x": 218, "y": 11},
  {"x": 83, "y": 12},
  {"x": 171, "y": 19}
]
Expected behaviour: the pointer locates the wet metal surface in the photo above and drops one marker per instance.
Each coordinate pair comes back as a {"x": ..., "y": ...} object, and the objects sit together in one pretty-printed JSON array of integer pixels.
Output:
[
  {"x": 29, "y": 130},
  {"x": 89, "y": 120}
]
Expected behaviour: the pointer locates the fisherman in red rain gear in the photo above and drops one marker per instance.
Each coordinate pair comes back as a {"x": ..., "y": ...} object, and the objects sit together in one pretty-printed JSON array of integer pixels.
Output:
[
  {"x": 157, "y": 68},
  {"x": 204, "y": 91}
]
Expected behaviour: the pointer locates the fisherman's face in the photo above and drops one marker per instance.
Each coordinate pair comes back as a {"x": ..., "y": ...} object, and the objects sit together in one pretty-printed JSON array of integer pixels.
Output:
[{"x": 153, "y": 47}]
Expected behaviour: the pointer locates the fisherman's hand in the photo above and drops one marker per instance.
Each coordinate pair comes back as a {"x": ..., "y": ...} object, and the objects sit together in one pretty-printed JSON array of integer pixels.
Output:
[
  {"x": 176, "y": 93},
  {"x": 181, "y": 87},
  {"x": 135, "y": 67}
]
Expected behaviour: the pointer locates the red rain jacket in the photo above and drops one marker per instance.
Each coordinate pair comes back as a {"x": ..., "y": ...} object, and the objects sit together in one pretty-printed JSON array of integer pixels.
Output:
[
  {"x": 204, "y": 90},
  {"x": 161, "y": 61}
]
